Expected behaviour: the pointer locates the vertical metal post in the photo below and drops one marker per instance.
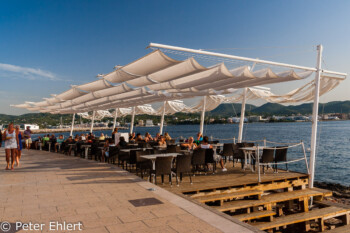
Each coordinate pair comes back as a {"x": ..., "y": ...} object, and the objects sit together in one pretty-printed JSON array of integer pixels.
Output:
[
  {"x": 201, "y": 126},
  {"x": 241, "y": 121},
  {"x": 258, "y": 163},
  {"x": 72, "y": 127},
  {"x": 115, "y": 118},
  {"x": 92, "y": 121},
  {"x": 315, "y": 117},
  {"x": 305, "y": 158},
  {"x": 132, "y": 120},
  {"x": 162, "y": 119}
]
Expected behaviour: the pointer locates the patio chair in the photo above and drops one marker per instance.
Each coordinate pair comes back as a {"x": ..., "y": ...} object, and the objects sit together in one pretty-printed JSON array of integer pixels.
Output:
[
  {"x": 227, "y": 151},
  {"x": 163, "y": 167},
  {"x": 198, "y": 159},
  {"x": 172, "y": 149},
  {"x": 183, "y": 165},
  {"x": 113, "y": 153},
  {"x": 142, "y": 164},
  {"x": 123, "y": 158},
  {"x": 209, "y": 158},
  {"x": 280, "y": 156},
  {"x": 238, "y": 153},
  {"x": 267, "y": 157}
]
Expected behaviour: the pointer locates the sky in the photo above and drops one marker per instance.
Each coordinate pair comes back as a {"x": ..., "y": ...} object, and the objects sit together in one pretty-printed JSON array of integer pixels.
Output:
[{"x": 45, "y": 46}]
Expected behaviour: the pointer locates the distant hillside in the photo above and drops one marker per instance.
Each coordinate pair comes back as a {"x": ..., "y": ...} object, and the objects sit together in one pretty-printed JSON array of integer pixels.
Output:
[
  {"x": 223, "y": 110},
  {"x": 279, "y": 109}
]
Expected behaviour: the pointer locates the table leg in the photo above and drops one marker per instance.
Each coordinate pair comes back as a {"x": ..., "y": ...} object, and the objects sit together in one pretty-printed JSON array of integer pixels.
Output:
[{"x": 86, "y": 152}]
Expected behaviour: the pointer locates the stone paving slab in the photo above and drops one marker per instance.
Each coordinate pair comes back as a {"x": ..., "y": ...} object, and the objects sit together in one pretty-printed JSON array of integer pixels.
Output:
[{"x": 51, "y": 187}]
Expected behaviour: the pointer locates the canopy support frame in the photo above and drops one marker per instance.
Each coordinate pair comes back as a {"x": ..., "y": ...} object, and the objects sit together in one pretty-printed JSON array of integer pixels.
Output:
[
  {"x": 201, "y": 126},
  {"x": 132, "y": 120},
  {"x": 241, "y": 120},
  {"x": 72, "y": 127},
  {"x": 115, "y": 118},
  {"x": 162, "y": 119},
  {"x": 92, "y": 121}
]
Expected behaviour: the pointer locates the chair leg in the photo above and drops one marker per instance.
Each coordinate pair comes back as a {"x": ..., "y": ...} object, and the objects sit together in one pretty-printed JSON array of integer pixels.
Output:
[
  {"x": 180, "y": 177},
  {"x": 162, "y": 179},
  {"x": 177, "y": 180},
  {"x": 170, "y": 179},
  {"x": 189, "y": 174}
]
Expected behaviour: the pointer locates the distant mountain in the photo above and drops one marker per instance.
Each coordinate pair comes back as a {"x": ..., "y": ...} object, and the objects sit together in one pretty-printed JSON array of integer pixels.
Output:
[
  {"x": 231, "y": 110},
  {"x": 227, "y": 110}
]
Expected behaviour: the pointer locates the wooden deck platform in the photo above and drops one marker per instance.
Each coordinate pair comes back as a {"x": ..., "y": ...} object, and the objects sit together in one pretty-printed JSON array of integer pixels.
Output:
[{"x": 237, "y": 179}]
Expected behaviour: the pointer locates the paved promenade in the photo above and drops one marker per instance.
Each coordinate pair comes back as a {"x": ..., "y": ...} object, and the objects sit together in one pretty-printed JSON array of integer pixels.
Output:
[{"x": 50, "y": 188}]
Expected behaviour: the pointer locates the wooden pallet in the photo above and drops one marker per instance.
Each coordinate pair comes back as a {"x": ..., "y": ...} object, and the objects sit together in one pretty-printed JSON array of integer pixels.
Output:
[
  {"x": 228, "y": 196},
  {"x": 270, "y": 199},
  {"x": 256, "y": 215},
  {"x": 321, "y": 214}
]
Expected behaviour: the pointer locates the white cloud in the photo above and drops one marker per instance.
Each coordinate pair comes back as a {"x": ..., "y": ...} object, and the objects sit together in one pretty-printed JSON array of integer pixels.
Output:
[{"x": 26, "y": 72}]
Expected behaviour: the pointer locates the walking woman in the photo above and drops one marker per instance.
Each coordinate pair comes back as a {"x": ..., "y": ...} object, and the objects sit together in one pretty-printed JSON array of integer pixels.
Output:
[
  {"x": 11, "y": 145},
  {"x": 19, "y": 150}
]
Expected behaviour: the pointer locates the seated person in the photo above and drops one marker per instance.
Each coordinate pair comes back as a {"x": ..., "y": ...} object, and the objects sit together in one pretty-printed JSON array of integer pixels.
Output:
[
  {"x": 46, "y": 139},
  {"x": 122, "y": 143},
  {"x": 157, "y": 137},
  {"x": 59, "y": 141},
  {"x": 148, "y": 137},
  {"x": 205, "y": 145},
  {"x": 162, "y": 142},
  {"x": 102, "y": 137},
  {"x": 199, "y": 138},
  {"x": 37, "y": 141},
  {"x": 132, "y": 137},
  {"x": 189, "y": 144},
  {"x": 167, "y": 137},
  {"x": 138, "y": 138},
  {"x": 83, "y": 137}
]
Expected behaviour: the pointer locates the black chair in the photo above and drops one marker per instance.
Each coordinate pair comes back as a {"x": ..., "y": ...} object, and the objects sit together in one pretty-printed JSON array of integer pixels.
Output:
[
  {"x": 209, "y": 158},
  {"x": 113, "y": 154},
  {"x": 142, "y": 164},
  {"x": 123, "y": 158},
  {"x": 183, "y": 165},
  {"x": 227, "y": 151},
  {"x": 163, "y": 167},
  {"x": 267, "y": 157},
  {"x": 198, "y": 159},
  {"x": 95, "y": 151},
  {"x": 281, "y": 156},
  {"x": 238, "y": 153},
  {"x": 171, "y": 149}
]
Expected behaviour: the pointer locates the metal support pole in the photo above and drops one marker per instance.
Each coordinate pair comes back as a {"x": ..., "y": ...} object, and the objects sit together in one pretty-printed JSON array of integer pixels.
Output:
[
  {"x": 258, "y": 163},
  {"x": 132, "y": 120},
  {"x": 241, "y": 121},
  {"x": 72, "y": 127},
  {"x": 315, "y": 116},
  {"x": 162, "y": 119},
  {"x": 115, "y": 118},
  {"x": 306, "y": 163},
  {"x": 201, "y": 127},
  {"x": 92, "y": 121}
]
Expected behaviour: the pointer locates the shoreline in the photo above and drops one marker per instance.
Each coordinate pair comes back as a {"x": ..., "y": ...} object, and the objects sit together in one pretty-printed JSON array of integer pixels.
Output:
[{"x": 341, "y": 193}]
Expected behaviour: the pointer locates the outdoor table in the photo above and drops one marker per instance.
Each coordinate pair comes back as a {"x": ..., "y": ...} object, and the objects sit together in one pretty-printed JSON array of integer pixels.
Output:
[
  {"x": 160, "y": 147},
  {"x": 154, "y": 157},
  {"x": 128, "y": 150},
  {"x": 86, "y": 150},
  {"x": 49, "y": 145},
  {"x": 40, "y": 145},
  {"x": 248, "y": 152}
]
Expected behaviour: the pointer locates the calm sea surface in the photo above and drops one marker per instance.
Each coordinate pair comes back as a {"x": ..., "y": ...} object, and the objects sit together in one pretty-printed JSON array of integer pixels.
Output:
[{"x": 333, "y": 154}]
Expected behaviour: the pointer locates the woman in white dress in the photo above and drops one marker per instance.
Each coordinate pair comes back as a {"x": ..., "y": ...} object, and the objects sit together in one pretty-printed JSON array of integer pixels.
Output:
[{"x": 11, "y": 145}]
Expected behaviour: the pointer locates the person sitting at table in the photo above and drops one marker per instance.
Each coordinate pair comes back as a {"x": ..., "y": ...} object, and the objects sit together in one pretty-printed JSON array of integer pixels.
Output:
[
  {"x": 122, "y": 143},
  {"x": 102, "y": 137},
  {"x": 162, "y": 141},
  {"x": 37, "y": 141},
  {"x": 199, "y": 138},
  {"x": 157, "y": 137},
  {"x": 83, "y": 137},
  {"x": 189, "y": 144},
  {"x": 148, "y": 137},
  {"x": 205, "y": 145},
  {"x": 138, "y": 137},
  {"x": 167, "y": 136},
  {"x": 46, "y": 139},
  {"x": 59, "y": 141},
  {"x": 105, "y": 150},
  {"x": 132, "y": 137}
]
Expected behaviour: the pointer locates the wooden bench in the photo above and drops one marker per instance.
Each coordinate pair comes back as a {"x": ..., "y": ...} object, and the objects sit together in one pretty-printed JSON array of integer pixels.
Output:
[
  {"x": 227, "y": 196},
  {"x": 320, "y": 214},
  {"x": 270, "y": 199},
  {"x": 256, "y": 215}
]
